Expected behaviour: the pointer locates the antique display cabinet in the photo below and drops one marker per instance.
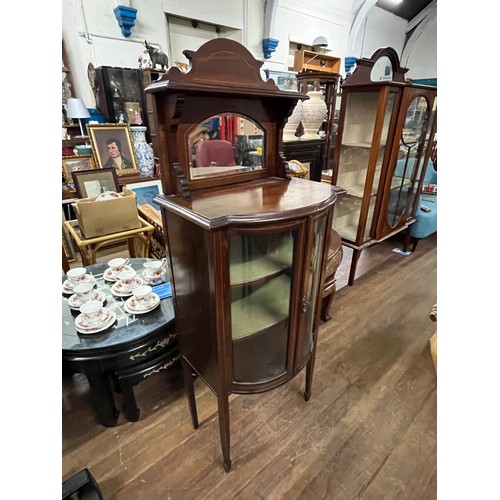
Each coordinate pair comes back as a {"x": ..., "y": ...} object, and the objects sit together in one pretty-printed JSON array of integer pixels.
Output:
[
  {"x": 246, "y": 243},
  {"x": 384, "y": 141},
  {"x": 120, "y": 94}
]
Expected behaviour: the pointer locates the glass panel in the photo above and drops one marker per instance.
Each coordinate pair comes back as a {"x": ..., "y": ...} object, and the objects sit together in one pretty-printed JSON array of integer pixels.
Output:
[
  {"x": 225, "y": 144},
  {"x": 312, "y": 283},
  {"x": 402, "y": 183},
  {"x": 359, "y": 123},
  {"x": 261, "y": 275}
]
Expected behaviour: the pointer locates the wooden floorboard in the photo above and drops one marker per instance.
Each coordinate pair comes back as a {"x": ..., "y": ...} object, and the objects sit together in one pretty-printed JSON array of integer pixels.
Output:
[{"x": 368, "y": 431}]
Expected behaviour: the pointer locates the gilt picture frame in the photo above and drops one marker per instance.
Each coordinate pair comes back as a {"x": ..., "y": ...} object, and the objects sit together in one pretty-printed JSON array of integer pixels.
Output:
[
  {"x": 113, "y": 147},
  {"x": 71, "y": 164}
]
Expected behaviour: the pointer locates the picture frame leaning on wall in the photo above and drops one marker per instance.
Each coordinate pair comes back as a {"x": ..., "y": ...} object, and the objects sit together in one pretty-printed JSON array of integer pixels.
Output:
[
  {"x": 113, "y": 147},
  {"x": 90, "y": 183},
  {"x": 71, "y": 164}
]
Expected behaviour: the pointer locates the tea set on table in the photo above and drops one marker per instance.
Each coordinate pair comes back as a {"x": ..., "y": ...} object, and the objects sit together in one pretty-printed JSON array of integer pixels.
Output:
[{"x": 94, "y": 317}]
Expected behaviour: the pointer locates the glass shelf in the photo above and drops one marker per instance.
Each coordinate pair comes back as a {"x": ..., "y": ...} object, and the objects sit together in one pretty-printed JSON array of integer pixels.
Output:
[
  {"x": 258, "y": 262},
  {"x": 264, "y": 307}
]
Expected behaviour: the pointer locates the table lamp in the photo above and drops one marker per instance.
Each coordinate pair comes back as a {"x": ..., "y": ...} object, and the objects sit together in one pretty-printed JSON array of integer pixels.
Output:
[{"x": 76, "y": 109}]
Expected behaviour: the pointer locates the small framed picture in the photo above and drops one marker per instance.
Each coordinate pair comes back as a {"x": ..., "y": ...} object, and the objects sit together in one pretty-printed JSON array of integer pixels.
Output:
[
  {"x": 146, "y": 192},
  {"x": 90, "y": 183},
  {"x": 71, "y": 164},
  {"x": 113, "y": 147}
]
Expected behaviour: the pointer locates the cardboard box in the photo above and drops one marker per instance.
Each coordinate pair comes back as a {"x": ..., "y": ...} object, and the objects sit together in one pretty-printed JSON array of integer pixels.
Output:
[{"x": 99, "y": 218}]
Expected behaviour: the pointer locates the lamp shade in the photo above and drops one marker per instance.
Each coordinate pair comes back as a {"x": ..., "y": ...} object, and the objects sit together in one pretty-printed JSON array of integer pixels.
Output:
[
  {"x": 76, "y": 109},
  {"x": 320, "y": 41}
]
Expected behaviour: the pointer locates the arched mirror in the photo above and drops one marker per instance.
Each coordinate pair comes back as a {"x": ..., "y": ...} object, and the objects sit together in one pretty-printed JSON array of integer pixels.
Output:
[
  {"x": 225, "y": 144},
  {"x": 416, "y": 118}
]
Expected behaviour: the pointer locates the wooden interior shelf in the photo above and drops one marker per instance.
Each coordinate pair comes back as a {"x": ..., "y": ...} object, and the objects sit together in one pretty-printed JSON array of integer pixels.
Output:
[
  {"x": 261, "y": 265},
  {"x": 265, "y": 307}
]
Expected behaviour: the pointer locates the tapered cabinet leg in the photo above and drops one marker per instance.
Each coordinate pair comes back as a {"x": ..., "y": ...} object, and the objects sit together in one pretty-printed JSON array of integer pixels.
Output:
[
  {"x": 223, "y": 407},
  {"x": 354, "y": 263},
  {"x": 189, "y": 385},
  {"x": 309, "y": 377}
]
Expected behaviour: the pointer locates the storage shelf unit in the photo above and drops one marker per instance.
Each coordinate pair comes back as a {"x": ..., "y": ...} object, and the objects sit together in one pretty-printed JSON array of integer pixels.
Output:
[{"x": 384, "y": 141}]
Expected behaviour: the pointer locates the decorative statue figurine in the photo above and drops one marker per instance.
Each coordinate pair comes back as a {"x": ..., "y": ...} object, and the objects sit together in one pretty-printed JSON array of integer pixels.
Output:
[
  {"x": 157, "y": 56},
  {"x": 137, "y": 118},
  {"x": 121, "y": 118}
]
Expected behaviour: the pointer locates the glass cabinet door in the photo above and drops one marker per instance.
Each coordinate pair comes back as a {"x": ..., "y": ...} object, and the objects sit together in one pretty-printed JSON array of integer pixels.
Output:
[
  {"x": 354, "y": 172},
  {"x": 313, "y": 266},
  {"x": 261, "y": 280},
  {"x": 413, "y": 138}
]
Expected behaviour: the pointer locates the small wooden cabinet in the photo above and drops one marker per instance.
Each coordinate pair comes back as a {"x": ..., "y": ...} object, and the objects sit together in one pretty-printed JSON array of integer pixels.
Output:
[
  {"x": 120, "y": 93},
  {"x": 246, "y": 243},
  {"x": 309, "y": 151},
  {"x": 384, "y": 142}
]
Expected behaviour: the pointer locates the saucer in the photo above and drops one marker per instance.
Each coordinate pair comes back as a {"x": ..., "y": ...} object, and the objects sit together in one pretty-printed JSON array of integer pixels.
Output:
[
  {"x": 154, "y": 280},
  {"x": 68, "y": 286},
  {"x": 83, "y": 326},
  {"x": 132, "y": 307},
  {"x": 74, "y": 301},
  {"x": 120, "y": 291},
  {"x": 109, "y": 275}
]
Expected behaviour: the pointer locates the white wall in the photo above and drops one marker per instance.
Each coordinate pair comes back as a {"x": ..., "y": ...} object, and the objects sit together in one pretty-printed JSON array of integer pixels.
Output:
[
  {"x": 92, "y": 34},
  {"x": 422, "y": 57}
]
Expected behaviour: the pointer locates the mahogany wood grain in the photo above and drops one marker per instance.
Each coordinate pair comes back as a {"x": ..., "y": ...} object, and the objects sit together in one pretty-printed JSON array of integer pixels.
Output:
[{"x": 368, "y": 432}]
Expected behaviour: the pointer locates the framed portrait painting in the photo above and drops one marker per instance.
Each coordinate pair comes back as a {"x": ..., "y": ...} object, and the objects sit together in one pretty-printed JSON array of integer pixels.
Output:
[
  {"x": 146, "y": 192},
  {"x": 72, "y": 164},
  {"x": 113, "y": 147},
  {"x": 90, "y": 183}
]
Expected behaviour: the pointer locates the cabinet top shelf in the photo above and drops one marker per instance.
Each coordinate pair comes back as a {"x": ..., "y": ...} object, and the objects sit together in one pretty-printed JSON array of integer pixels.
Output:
[{"x": 249, "y": 202}]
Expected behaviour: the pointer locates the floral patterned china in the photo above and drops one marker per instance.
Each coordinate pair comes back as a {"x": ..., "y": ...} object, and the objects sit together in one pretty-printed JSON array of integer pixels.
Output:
[
  {"x": 83, "y": 325},
  {"x": 120, "y": 289},
  {"x": 154, "y": 279},
  {"x": 110, "y": 275},
  {"x": 133, "y": 306},
  {"x": 75, "y": 303},
  {"x": 68, "y": 286}
]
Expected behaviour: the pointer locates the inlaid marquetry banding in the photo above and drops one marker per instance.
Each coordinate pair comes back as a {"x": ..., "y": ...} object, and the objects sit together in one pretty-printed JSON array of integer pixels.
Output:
[
  {"x": 162, "y": 367},
  {"x": 158, "y": 345}
]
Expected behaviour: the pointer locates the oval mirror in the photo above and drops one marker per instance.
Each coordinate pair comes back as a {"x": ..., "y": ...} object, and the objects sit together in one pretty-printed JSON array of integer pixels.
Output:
[{"x": 225, "y": 144}]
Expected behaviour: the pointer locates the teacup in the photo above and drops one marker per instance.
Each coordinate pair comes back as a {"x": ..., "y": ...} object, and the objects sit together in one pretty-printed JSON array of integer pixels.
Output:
[
  {"x": 154, "y": 280},
  {"x": 92, "y": 310},
  {"x": 117, "y": 265},
  {"x": 155, "y": 267},
  {"x": 76, "y": 275},
  {"x": 127, "y": 277},
  {"x": 83, "y": 291},
  {"x": 142, "y": 294}
]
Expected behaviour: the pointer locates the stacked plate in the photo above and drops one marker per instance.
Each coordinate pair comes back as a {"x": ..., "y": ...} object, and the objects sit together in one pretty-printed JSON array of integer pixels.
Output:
[
  {"x": 132, "y": 305},
  {"x": 67, "y": 286},
  {"x": 74, "y": 301},
  {"x": 121, "y": 290},
  {"x": 106, "y": 320}
]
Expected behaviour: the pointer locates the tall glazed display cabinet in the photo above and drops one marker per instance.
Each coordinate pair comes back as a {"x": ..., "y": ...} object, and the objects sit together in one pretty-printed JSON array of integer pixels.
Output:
[
  {"x": 246, "y": 243},
  {"x": 385, "y": 136}
]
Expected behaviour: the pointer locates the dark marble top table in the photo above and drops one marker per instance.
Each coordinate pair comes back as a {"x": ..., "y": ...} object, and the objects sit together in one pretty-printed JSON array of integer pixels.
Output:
[{"x": 131, "y": 340}]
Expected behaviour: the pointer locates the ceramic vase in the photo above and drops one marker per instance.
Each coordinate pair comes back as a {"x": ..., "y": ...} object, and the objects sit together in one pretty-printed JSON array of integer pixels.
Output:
[
  {"x": 293, "y": 122},
  {"x": 143, "y": 151},
  {"x": 314, "y": 111}
]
